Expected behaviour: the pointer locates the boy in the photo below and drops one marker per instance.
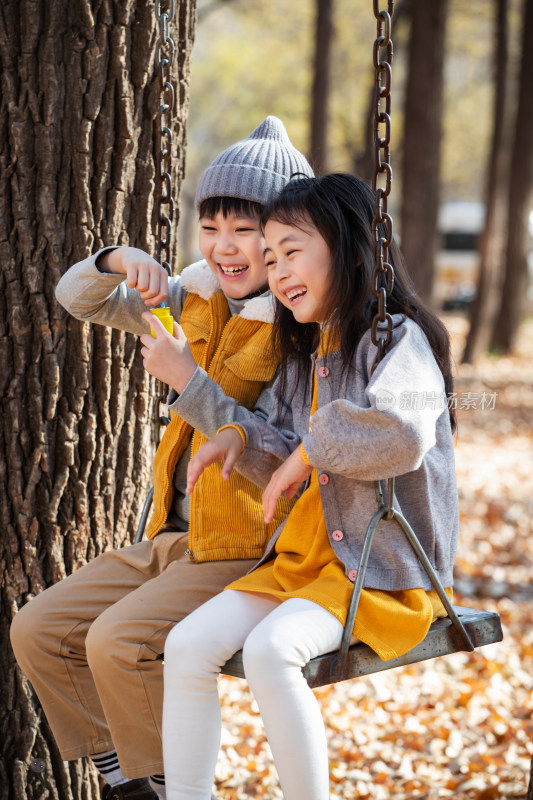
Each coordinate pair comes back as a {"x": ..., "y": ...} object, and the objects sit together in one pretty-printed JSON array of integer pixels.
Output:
[{"x": 91, "y": 645}]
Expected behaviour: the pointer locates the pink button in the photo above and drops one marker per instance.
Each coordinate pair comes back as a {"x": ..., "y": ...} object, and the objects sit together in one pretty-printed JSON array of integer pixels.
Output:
[
  {"x": 337, "y": 536},
  {"x": 352, "y": 575},
  {"x": 323, "y": 478},
  {"x": 323, "y": 372}
]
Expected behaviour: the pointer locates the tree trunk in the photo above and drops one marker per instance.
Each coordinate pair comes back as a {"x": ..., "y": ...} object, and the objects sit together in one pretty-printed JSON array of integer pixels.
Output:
[
  {"x": 78, "y": 108},
  {"x": 491, "y": 246},
  {"x": 520, "y": 188},
  {"x": 321, "y": 86},
  {"x": 421, "y": 141},
  {"x": 529, "y": 795}
]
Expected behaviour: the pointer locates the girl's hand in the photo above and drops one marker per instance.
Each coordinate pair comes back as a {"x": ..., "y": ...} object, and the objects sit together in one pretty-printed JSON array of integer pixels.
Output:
[
  {"x": 143, "y": 273},
  {"x": 226, "y": 446},
  {"x": 285, "y": 481},
  {"x": 167, "y": 357}
]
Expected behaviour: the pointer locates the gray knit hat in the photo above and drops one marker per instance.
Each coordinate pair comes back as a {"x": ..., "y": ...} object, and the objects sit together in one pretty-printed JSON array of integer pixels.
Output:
[{"x": 256, "y": 168}]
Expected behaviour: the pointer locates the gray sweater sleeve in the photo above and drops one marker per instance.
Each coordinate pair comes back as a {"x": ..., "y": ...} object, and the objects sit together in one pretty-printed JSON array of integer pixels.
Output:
[
  {"x": 104, "y": 298},
  {"x": 268, "y": 442},
  {"x": 381, "y": 428},
  {"x": 207, "y": 408},
  {"x": 391, "y": 431}
]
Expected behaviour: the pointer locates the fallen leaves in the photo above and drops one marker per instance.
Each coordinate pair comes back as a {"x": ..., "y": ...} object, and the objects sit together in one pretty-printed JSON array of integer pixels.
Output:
[{"x": 460, "y": 726}]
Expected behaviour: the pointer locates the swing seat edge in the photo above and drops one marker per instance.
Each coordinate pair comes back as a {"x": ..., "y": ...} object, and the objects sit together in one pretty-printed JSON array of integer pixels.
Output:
[{"x": 442, "y": 639}]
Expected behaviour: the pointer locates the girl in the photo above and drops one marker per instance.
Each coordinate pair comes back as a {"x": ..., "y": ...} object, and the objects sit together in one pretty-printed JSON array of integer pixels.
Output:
[{"x": 337, "y": 426}]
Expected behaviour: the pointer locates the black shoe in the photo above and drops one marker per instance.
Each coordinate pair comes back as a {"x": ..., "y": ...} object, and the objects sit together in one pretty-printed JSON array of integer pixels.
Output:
[{"x": 138, "y": 789}]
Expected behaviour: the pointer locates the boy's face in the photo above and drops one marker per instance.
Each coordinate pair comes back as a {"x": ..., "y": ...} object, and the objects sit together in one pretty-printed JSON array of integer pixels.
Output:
[{"x": 233, "y": 247}]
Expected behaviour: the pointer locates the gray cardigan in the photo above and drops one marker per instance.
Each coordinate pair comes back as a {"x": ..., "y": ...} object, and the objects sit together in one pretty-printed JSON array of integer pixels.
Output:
[{"x": 366, "y": 428}]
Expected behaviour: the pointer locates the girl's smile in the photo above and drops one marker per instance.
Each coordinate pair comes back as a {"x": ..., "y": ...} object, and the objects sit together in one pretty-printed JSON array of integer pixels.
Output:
[{"x": 299, "y": 265}]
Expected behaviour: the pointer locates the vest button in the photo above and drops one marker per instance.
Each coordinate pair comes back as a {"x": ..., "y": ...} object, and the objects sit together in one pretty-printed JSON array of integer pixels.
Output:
[
  {"x": 337, "y": 536},
  {"x": 323, "y": 372},
  {"x": 323, "y": 478},
  {"x": 352, "y": 575}
]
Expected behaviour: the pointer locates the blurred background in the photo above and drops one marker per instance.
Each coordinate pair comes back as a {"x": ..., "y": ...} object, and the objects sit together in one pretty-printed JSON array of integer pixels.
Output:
[{"x": 461, "y": 141}]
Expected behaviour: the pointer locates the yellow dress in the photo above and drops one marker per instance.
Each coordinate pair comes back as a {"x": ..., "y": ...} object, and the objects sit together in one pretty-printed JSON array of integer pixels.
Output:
[{"x": 305, "y": 566}]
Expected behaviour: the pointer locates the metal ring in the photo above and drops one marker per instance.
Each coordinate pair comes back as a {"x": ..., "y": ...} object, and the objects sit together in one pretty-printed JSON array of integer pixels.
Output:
[
  {"x": 388, "y": 331},
  {"x": 385, "y": 23},
  {"x": 387, "y": 274}
]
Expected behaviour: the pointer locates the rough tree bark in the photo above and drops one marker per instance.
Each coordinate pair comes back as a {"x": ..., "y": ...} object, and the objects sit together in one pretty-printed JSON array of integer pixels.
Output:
[
  {"x": 78, "y": 108},
  {"x": 321, "y": 86},
  {"x": 421, "y": 141},
  {"x": 520, "y": 188}
]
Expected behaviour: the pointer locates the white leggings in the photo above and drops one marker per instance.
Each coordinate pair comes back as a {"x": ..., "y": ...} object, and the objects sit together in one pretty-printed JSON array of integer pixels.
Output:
[{"x": 278, "y": 639}]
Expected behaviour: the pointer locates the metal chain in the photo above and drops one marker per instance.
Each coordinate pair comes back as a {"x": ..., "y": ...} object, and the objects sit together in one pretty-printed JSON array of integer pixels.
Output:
[
  {"x": 381, "y": 330},
  {"x": 165, "y": 12},
  {"x": 165, "y": 58}
]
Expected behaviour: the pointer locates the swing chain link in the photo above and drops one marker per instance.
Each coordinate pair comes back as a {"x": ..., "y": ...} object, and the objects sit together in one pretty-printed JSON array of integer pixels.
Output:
[
  {"x": 383, "y": 279},
  {"x": 165, "y": 12}
]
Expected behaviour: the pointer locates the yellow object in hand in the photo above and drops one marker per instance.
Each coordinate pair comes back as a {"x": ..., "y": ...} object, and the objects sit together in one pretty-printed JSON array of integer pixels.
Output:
[{"x": 165, "y": 317}]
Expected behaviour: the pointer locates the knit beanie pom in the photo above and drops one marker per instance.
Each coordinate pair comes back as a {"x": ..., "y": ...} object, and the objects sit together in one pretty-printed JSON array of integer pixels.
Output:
[{"x": 256, "y": 168}]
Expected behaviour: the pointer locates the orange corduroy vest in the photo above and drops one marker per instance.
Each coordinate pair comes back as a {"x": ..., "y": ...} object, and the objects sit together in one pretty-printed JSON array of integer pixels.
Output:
[{"x": 226, "y": 517}]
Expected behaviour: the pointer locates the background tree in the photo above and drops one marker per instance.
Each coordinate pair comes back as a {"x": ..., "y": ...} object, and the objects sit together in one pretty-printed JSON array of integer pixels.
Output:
[
  {"x": 422, "y": 140},
  {"x": 79, "y": 100},
  {"x": 514, "y": 288},
  {"x": 491, "y": 244},
  {"x": 321, "y": 86}
]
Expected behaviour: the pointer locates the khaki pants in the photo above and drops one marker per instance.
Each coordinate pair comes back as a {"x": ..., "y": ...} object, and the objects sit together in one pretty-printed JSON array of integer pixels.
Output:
[{"x": 92, "y": 646}]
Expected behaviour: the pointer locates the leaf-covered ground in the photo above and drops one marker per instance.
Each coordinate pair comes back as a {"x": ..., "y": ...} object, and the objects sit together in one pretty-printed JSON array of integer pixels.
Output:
[{"x": 460, "y": 726}]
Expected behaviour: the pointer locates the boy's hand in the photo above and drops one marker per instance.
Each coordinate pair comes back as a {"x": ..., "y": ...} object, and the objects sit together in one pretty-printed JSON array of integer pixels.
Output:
[
  {"x": 226, "y": 446},
  {"x": 167, "y": 357},
  {"x": 143, "y": 273},
  {"x": 285, "y": 481}
]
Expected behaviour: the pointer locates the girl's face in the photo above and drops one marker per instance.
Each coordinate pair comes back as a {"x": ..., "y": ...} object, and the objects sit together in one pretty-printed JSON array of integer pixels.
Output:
[
  {"x": 299, "y": 264},
  {"x": 233, "y": 248}
]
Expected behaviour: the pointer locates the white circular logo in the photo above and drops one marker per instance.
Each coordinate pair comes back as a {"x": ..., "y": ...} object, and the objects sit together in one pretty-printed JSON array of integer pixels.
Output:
[{"x": 384, "y": 399}]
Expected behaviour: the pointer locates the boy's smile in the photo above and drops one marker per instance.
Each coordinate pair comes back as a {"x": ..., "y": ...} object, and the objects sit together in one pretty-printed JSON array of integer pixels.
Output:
[{"x": 233, "y": 248}]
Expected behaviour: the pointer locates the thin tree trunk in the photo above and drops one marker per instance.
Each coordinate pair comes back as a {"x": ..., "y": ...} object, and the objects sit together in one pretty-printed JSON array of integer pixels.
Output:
[
  {"x": 422, "y": 140},
  {"x": 491, "y": 246},
  {"x": 79, "y": 98},
  {"x": 520, "y": 191},
  {"x": 529, "y": 795},
  {"x": 321, "y": 86}
]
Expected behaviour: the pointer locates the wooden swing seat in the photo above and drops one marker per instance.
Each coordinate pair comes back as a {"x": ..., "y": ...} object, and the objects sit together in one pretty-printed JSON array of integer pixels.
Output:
[
  {"x": 442, "y": 639},
  {"x": 463, "y": 629}
]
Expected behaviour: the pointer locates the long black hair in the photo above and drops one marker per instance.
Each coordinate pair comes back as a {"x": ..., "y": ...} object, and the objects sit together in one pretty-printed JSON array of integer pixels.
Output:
[{"x": 341, "y": 207}]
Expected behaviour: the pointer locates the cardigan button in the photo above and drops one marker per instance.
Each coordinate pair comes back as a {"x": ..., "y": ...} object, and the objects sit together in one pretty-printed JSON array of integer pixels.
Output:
[
  {"x": 337, "y": 536},
  {"x": 323, "y": 372},
  {"x": 352, "y": 575},
  {"x": 323, "y": 478}
]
